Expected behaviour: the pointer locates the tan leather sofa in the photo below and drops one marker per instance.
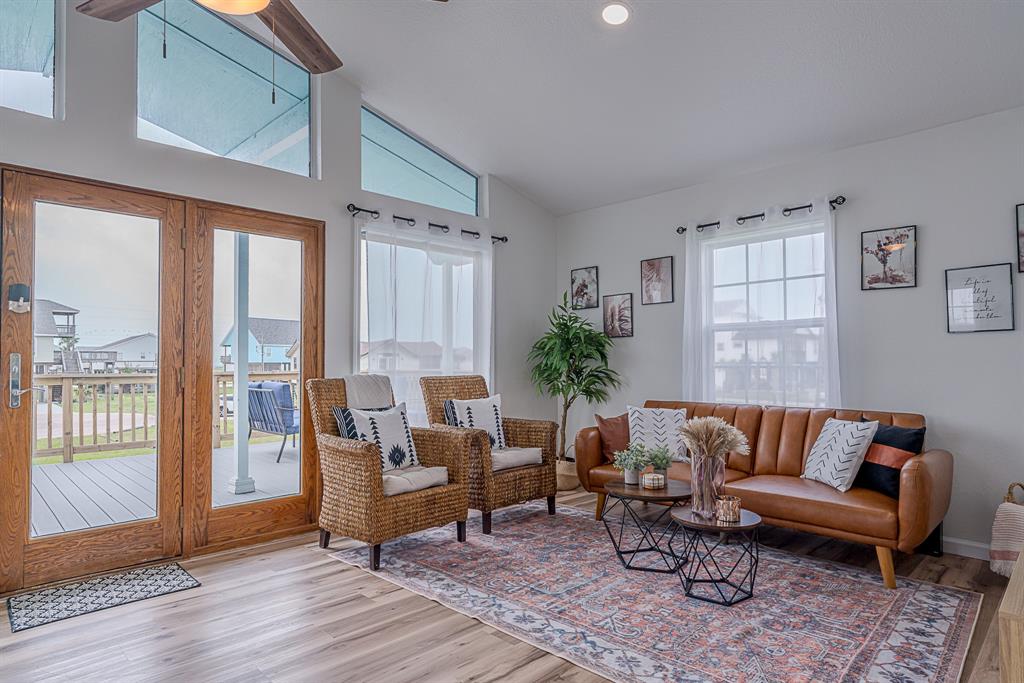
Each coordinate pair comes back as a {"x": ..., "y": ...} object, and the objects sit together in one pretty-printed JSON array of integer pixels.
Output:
[{"x": 768, "y": 479}]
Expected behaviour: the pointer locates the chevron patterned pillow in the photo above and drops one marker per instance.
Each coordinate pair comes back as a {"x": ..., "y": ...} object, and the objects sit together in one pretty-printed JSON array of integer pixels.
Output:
[
  {"x": 838, "y": 452},
  {"x": 656, "y": 427}
]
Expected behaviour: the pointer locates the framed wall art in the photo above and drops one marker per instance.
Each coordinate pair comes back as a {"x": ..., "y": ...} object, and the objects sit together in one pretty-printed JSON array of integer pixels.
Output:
[
  {"x": 583, "y": 288},
  {"x": 618, "y": 315},
  {"x": 656, "y": 281},
  {"x": 888, "y": 258},
  {"x": 979, "y": 298},
  {"x": 1020, "y": 238}
]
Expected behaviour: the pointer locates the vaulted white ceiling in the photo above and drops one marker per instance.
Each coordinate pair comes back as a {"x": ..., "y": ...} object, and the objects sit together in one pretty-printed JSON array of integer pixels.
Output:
[{"x": 578, "y": 114}]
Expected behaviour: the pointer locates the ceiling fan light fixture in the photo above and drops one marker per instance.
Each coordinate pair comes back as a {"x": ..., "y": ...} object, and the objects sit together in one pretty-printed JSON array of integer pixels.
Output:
[
  {"x": 615, "y": 14},
  {"x": 236, "y": 7}
]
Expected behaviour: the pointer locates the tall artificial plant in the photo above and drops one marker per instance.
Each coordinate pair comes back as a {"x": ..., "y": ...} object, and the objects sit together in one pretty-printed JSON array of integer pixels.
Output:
[{"x": 571, "y": 362}]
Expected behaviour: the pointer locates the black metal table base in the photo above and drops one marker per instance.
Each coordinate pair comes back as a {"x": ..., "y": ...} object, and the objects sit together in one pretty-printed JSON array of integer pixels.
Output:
[
  {"x": 705, "y": 578},
  {"x": 649, "y": 541}
]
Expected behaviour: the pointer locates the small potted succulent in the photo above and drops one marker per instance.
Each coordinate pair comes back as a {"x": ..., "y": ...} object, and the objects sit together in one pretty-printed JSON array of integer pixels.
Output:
[
  {"x": 659, "y": 459},
  {"x": 631, "y": 461}
]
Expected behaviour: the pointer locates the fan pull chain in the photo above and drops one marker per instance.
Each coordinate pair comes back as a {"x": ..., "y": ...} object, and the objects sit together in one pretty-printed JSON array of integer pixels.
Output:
[
  {"x": 165, "y": 28},
  {"x": 273, "y": 61}
]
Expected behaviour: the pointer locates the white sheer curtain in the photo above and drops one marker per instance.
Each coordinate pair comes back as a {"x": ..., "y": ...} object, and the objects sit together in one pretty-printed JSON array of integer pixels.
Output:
[
  {"x": 424, "y": 306},
  {"x": 759, "y": 317}
]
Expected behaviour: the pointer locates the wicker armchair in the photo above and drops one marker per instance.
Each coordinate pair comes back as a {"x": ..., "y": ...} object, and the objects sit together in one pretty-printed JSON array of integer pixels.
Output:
[
  {"x": 353, "y": 503},
  {"x": 490, "y": 490}
]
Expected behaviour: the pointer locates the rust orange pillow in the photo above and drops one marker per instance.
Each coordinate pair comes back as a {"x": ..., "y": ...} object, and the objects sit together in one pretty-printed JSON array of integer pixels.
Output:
[{"x": 614, "y": 434}]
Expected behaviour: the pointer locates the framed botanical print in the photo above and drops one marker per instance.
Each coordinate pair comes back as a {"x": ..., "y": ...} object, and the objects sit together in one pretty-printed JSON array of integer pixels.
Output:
[
  {"x": 583, "y": 288},
  {"x": 1020, "y": 238},
  {"x": 618, "y": 315},
  {"x": 888, "y": 258},
  {"x": 979, "y": 298},
  {"x": 656, "y": 281}
]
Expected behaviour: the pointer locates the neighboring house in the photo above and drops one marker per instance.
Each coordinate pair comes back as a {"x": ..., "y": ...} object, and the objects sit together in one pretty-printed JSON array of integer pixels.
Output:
[
  {"x": 52, "y": 322},
  {"x": 388, "y": 354},
  {"x": 270, "y": 340},
  {"x": 295, "y": 354},
  {"x": 138, "y": 353}
]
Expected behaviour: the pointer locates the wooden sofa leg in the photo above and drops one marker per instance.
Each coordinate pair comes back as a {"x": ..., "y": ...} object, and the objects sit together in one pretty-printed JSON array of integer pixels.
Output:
[
  {"x": 325, "y": 538},
  {"x": 486, "y": 517},
  {"x": 885, "y": 562},
  {"x": 551, "y": 505},
  {"x": 600, "y": 506},
  {"x": 374, "y": 556},
  {"x": 460, "y": 531}
]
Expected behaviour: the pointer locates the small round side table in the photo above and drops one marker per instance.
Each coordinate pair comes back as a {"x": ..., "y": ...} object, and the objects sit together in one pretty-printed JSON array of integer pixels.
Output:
[
  {"x": 646, "y": 522},
  {"x": 717, "y": 572}
]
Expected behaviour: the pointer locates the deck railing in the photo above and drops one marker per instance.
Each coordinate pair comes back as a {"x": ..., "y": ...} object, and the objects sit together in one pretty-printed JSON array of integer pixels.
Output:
[{"x": 92, "y": 413}]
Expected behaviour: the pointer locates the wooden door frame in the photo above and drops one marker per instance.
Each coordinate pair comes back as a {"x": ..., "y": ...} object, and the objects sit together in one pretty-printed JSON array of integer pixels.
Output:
[
  {"x": 211, "y": 529},
  {"x": 27, "y": 561}
]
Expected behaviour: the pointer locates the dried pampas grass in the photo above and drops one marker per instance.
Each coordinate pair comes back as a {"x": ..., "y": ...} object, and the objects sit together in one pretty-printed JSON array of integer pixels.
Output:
[{"x": 713, "y": 437}]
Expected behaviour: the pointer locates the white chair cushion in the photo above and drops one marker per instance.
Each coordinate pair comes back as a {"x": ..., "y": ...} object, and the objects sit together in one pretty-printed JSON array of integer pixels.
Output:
[
  {"x": 409, "y": 479},
  {"x": 504, "y": 458}
]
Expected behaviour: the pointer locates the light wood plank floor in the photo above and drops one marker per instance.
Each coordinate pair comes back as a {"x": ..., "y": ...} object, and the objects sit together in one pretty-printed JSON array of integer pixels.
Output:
[{"x": 286, "y": 612}]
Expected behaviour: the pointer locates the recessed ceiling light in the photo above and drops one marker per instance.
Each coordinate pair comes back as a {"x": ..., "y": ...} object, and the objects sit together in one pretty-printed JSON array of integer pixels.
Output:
[{"x": 615, "y": 14}]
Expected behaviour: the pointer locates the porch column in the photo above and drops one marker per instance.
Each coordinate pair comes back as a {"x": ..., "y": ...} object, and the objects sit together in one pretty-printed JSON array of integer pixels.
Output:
[{"x": 241, "y": 482}]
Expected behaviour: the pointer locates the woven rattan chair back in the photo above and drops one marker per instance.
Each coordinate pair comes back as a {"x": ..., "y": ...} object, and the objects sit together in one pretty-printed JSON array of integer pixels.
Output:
[
  {"x": 437, "y": 390},
  {"x": 324, "y": 394}
]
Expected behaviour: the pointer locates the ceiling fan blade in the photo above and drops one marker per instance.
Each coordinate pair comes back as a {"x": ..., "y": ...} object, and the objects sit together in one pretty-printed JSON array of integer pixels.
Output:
[
  {"x": 292, "y": 29},
  {"x": 114, "y": 10}
]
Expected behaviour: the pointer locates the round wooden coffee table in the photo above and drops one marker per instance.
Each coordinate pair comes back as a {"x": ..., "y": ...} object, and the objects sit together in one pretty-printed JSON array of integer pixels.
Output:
[
  {"x": 635, "y": 532},
  {"x": 717, "y": 571}
]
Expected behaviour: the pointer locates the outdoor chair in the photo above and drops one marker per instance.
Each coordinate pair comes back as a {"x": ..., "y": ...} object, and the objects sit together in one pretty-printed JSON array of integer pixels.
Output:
[
  {"x": 490, "y": 488},
  {"x": 272, "y": 411},
  {"x": 354, "y": 504}
]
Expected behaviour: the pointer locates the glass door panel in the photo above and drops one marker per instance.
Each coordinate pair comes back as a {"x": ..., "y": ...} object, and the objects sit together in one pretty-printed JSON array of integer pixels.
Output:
[
  {"x": 95, "y": 368},
  {"x": 257, "y": 297}
]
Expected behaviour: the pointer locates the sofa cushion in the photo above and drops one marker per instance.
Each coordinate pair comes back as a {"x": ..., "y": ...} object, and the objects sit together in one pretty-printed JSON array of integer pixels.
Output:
[
  {"x": 792, "y": 499},
  {"x": 614, "y": 435},
  {"x": 416, "y": 478},
  {"x": 506, "y": 458},
  {"x": 838, "y": 452},
  {"x": 658, "y": 427},
  {"x": 891, "y": 448},
  {"x": 680, "y": 471}
]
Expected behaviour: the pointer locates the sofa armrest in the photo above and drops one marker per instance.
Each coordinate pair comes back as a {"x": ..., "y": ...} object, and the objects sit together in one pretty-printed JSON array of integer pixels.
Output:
[
  {"x": 926, "y": 483},
  {"x": 443, "y": 446},
  {"x": 588, "y": 454},
  {"x": 541, "y": 434}
]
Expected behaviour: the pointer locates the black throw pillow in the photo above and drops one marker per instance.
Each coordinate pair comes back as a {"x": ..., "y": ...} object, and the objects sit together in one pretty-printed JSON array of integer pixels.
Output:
[{"x": 891, "y": 448}]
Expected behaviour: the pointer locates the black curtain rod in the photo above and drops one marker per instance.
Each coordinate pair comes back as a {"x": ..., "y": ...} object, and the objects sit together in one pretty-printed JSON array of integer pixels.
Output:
[
  {"x": 438, "y": 226},
  {"x": 354, "y": 210},
  {"x": 409, "y": 221},
  {"x": 475, "y": 234},
  {"x": 499, "y": 238},
  {"x": 833, "y": 203}
]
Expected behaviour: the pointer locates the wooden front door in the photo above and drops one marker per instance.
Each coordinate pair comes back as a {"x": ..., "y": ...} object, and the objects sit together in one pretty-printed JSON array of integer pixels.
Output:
[{"x": 92, "y": 368}]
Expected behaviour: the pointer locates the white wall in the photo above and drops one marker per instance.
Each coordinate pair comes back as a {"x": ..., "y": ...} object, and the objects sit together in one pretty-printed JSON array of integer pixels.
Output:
[
  {"x": 959, "y": 184},
  {"x": 97, "y": 140}
]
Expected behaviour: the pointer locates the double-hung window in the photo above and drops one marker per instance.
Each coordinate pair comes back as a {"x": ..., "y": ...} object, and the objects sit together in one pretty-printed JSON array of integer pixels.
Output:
[
  {"x": 207, "y": 86},
  {"x": 27, "y": 48},
  {"x": 767, "y": 326},
  {"x": 424, "y": 310}
]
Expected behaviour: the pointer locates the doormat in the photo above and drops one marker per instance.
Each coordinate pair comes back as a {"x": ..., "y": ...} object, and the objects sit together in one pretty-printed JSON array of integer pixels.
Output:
[{"x": 71, "y": 600}]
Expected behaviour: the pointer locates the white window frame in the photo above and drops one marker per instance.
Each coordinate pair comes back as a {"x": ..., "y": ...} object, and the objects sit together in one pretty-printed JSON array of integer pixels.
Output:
[{"x": 778, "y": 327}]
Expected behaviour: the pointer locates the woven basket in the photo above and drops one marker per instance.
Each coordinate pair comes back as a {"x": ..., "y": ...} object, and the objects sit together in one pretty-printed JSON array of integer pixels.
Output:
[{"x": 1007, "y": 533}]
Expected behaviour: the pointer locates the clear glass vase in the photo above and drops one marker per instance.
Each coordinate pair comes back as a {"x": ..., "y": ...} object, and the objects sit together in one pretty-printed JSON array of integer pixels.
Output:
[{"x": 707, "y": 476}]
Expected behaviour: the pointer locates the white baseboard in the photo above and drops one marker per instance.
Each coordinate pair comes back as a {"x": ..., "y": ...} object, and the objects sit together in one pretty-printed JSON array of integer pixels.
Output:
[{"x": 960, "y": 546}]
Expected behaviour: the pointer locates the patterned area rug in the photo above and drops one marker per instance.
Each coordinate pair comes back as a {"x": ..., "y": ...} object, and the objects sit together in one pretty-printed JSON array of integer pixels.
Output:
[
  {"x": 53, "y": 604},
  {"x": 554, "y": 582}
]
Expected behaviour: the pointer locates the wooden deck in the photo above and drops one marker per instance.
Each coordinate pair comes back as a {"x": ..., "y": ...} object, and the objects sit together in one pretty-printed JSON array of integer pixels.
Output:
[{"x": 94, "y": 493}]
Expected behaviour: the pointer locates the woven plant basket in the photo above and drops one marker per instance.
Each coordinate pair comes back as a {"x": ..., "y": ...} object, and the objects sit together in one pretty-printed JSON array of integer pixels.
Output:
[{"x": 1007, "y": 533}]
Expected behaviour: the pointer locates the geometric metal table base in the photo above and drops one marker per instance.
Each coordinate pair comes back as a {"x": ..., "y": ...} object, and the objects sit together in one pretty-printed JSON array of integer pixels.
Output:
[
  {"x": 647, "y": 542},
  {"x": 711, "y": 580},
  {"x": 712, "y": 574},
  {"x": 634, "y": 533}
]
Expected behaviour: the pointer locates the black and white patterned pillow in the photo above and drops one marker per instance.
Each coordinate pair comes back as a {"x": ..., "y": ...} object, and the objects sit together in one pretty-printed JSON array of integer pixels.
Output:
[
  {"x": 838, "y": 452},
  {"x": 481, "y": 413},
  {"x": 656, "y": 427},
  {"x": 389, "y": 429}
]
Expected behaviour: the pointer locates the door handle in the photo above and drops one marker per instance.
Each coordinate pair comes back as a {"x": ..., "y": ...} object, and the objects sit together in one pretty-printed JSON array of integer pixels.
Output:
[{"x": 16, "y": 392}]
